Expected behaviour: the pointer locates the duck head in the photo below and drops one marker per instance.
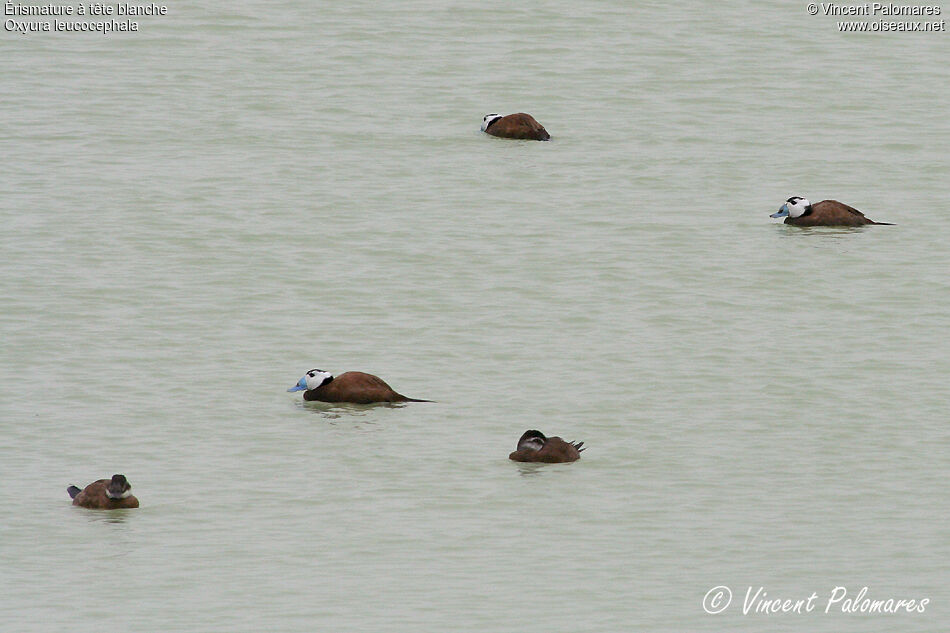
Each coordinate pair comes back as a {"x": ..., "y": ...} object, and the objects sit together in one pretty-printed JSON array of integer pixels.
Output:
[
  {"x": 794, "y": 207},
  {"x": 488, "y": 119},
  {"x": 118, "y": 488},
  {"x": 532, "y": 440},
  {"x": 313, "y": 379}
]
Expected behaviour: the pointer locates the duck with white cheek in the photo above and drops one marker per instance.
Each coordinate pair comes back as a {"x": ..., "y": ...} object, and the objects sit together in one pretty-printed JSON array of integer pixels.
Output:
[
  {"x": 105, "y": 494},
  {"x": 353, "y": 387},
  {"x": 798, "y": 211},
  {"x": 533, "y": 446},
  {"x": 519, "y": 126}
]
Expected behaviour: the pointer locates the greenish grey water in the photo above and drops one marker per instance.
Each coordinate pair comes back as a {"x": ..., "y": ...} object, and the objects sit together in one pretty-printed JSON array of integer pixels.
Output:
[{"x": 196, "y": 214}]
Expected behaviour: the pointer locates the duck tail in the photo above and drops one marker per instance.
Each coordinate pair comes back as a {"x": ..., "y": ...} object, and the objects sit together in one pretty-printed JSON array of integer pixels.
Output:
[
  {"x": 73, "y": 491},
  {"x": 579, "y": 446},
  {"x": 885, "y": 223},
  {"x": 405, "y": 399}
]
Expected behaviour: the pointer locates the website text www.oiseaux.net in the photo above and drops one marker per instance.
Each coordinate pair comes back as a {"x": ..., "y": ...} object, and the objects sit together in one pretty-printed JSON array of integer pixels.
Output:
[{"x": 887, "y": 26}]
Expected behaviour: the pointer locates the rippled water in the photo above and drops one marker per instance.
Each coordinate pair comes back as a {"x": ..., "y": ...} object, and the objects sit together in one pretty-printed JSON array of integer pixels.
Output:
[{"x": 195, "y": 214}]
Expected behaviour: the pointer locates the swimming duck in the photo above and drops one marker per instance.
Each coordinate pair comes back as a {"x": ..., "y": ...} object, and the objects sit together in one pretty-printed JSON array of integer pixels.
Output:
[
  {"x": 798, "y": 211},
  {"x": 534, "y": 447},
  {"x": 105, "y": 494},
  {"x": 353, "y": 386},
  {"x": 519, "y": 125}
]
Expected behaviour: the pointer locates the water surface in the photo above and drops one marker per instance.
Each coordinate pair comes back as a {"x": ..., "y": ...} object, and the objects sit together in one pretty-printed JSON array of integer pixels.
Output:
[{"x": 196, "y": 214}]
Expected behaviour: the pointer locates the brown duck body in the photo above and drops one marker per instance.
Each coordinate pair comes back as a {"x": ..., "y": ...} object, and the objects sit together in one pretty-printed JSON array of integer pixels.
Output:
[
  {"x": 520, "y": 126},
  {"x": 831, "y": 213},
  {"x": 554, "y": 450},
  {"x": 357, "y": 388},
  {"x": 94, "y": 496}
]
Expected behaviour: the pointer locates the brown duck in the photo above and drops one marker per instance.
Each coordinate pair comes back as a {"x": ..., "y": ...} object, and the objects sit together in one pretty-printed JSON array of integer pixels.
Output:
[
  {"x": 105, "y": 494},
  {"x": 798, "y": 211},
  {"x": 520, "y": 125},
  {"x": 353, "y": 386},
  {"x": 535, "y": 447}
]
